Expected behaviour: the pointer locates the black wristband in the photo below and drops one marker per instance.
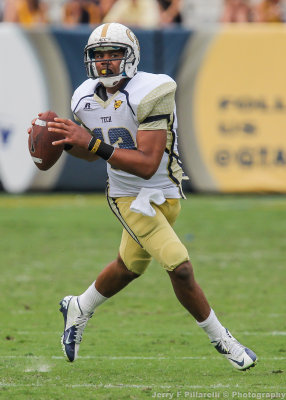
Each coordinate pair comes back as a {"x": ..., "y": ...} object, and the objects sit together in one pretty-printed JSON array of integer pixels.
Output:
[
  {"x": 105, "y": 151},
  {"x": 100, "y": 148}
]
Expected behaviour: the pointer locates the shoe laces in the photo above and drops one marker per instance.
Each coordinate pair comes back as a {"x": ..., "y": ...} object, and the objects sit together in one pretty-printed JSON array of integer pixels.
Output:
[
  {"x": 80, "y": 324},
  {"x": 231, "y": 345}
]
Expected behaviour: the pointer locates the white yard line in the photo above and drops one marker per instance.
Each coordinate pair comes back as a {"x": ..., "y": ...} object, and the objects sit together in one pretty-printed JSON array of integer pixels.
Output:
[
  {"x": 101, "y": 357},
  {"x": 198, "y": 333},
  {"x": 146, "y": 386}
]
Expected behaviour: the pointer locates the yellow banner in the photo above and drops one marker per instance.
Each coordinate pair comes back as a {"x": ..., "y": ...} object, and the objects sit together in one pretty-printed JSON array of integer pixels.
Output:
[{"x": 239, "y": 110}]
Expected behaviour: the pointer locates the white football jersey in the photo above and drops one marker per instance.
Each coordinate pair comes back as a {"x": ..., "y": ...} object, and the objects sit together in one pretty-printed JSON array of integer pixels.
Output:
[{"x": 145, "y": 102}]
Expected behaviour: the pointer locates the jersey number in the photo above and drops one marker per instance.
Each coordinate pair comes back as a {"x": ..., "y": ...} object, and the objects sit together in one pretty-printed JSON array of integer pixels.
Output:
[{"x": 119, "y": 137}]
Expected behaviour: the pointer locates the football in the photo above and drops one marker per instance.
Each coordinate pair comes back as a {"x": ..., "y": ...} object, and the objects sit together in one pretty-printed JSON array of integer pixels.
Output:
[{"x": 43, "y": 153}]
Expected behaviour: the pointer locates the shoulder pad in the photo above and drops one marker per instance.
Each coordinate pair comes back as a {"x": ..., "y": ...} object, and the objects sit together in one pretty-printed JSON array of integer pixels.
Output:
[
  {"x": 143, "y": 84},
  {"x": 86, "y": 89}
]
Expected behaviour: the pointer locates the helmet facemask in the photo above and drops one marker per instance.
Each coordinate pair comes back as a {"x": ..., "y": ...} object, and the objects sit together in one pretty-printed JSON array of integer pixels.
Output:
[{"x": 109, "y": 79}]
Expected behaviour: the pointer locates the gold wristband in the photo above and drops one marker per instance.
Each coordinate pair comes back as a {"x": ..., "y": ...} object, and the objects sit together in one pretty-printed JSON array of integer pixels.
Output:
[{"x": 96, "y": 146}]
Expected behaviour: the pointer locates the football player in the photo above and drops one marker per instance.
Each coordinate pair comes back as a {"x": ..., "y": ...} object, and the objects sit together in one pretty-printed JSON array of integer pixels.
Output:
[{"x": 128, "y": 118}]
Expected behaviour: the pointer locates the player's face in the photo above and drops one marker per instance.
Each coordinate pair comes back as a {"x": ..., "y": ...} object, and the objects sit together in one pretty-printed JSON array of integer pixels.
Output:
[{"x": 108, "y": 62}]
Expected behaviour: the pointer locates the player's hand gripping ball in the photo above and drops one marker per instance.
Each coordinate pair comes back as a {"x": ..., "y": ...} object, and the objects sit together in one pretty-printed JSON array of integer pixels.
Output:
[{"x": 43, "y": 153}]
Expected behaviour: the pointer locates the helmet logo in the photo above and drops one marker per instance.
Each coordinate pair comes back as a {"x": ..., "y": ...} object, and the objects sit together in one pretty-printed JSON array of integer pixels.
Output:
[
  {"x": 128, "y": 33},
  {"x": 117, "y": 104},
  {"x": 138, "y": 45},
  {"x": 104, "y": 30}
]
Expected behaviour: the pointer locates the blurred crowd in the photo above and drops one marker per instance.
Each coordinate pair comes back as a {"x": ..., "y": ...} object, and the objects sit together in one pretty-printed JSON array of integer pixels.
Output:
[
  {"x": 258, "y": 11},
  {"x": 141, "y": 13}
]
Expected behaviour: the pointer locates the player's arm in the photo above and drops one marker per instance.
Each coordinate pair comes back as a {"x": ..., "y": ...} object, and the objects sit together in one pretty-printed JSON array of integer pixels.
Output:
[
  {"x": 75, "y": 147},
  {"x": 153, "y": 112},
  {"x": 142, "y": 162},
  {"x": 75, "y": 150},
  {"x": 79, "y": 152},
  {"x": 145, "y": 160}
]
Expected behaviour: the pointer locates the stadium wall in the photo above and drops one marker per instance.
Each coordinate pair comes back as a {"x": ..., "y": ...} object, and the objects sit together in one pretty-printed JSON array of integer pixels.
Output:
[{"x": 231, "y": 103}]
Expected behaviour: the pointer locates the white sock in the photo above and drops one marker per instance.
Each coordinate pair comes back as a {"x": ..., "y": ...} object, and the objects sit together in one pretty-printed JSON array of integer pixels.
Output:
[
  {"x": 212, "y": 326},
  {"x": 90, "y": 299}
]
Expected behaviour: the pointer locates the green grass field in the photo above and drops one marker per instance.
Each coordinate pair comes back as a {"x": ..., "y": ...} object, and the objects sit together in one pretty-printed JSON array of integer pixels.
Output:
[{"x": 141, "y": 344}]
